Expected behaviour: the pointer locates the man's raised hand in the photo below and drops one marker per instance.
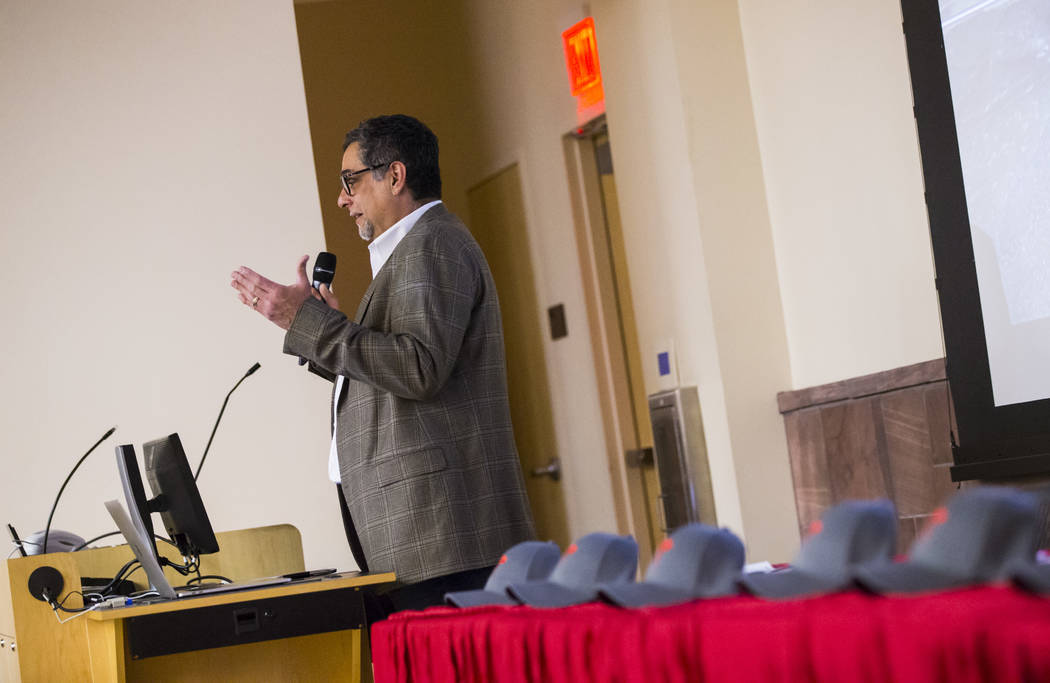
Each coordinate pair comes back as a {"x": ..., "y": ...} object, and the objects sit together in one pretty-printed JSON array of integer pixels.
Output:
[{"x": 277, "y": 303}]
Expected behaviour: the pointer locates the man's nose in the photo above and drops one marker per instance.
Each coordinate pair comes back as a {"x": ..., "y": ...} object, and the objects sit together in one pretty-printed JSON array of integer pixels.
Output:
[{"x": 344, "y": 199}]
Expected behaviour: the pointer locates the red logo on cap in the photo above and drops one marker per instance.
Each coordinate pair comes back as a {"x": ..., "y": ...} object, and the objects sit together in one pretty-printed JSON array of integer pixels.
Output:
[
  {"x": 503, "y": 559},
  {"x": 815, "y": 527},
  {"x": 571, "y": 549},
  {"x": 937, "y": 518},
  {"x": 665, "y": 545}
]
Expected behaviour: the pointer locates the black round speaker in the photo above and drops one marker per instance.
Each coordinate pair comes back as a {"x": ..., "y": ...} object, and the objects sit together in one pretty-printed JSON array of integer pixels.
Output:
[{"x": 46, "y": 579}]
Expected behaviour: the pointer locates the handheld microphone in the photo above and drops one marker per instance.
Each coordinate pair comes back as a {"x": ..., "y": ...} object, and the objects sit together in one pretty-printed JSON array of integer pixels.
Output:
[
  {"x": 324, "y": 269},
  {"x": 251, "y": 370},
  {"x": 47, "y": 529},
  {"x": 324, "y": 273}
]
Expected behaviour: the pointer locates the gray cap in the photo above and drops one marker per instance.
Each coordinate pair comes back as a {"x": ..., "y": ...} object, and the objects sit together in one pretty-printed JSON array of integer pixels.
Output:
[
  {"x": 528, "y": 561},
  {"x": 696, "y": 561},
  {"x": 592, "y": 560},
  {"x": 981, "y": 534},
  {"x": 849, "y": 535},
  {"x": 1032, "y": 576}
]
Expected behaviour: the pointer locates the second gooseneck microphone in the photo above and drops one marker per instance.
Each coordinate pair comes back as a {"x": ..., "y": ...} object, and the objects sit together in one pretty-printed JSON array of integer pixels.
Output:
[
  {"x": 47, "y": 529},
  {"x": 221, "y": 411}
]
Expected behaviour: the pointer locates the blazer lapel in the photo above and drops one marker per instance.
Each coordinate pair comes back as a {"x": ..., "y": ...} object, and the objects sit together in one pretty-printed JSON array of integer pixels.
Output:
[
  {"x": 362, "y": 308},
  {"x": 434, "y": 213}
]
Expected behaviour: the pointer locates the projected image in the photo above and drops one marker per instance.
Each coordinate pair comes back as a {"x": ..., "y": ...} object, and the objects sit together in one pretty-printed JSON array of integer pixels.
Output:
[{"x": 998, "y": 55}]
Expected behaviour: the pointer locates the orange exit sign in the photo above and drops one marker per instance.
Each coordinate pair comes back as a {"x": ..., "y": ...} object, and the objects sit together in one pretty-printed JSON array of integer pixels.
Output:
[{"x": 585, "y": 74}]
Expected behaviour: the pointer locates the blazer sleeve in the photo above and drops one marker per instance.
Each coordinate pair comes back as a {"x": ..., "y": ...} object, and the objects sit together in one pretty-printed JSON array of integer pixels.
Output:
[
  {"x": 410, "y": 344},
  {"x": 319, "y": 371}
]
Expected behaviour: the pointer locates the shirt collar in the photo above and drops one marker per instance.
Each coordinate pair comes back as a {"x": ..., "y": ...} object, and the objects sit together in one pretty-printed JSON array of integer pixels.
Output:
[{"x": 380, "y": 249}]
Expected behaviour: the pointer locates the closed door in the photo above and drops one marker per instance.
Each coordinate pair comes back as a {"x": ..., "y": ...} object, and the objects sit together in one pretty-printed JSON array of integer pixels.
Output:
[{"x": 497, "y": 220}]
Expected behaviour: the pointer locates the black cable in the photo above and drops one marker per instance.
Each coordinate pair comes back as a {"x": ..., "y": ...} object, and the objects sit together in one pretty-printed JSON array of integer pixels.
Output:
[
  {"x": 114, "y": 533},
  {"x": 190, "y": 565},
  {"x": 47, "y": 529},
  {"x": 129, "y": 574},
  {"x": 199, "y": 579},
  {"x": 129, "y": 568},
  {"x": 96, "y": 538},
  {"x": 62, "y": 602},
  {"x": 121, "y": 575},
  {"x": 55, "y": 605}
]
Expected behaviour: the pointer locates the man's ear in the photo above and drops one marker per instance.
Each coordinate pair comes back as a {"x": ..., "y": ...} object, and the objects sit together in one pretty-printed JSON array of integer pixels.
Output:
[{"x": 398, "y": 175}]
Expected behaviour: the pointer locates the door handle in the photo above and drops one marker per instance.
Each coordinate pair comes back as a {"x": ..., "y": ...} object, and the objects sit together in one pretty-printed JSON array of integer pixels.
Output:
[{"x": 552, "y": 469}]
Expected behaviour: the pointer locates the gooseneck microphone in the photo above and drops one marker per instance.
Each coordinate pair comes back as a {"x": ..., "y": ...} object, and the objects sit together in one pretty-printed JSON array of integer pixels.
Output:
[
  {"x": 251, "y": 370},
  {"x": 324, "y": 273},
  {"x": 47, "y": 529}
]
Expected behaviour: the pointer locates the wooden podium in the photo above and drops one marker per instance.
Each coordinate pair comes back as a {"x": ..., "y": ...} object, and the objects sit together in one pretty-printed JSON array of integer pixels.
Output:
[{"x": 302, "y": 631}]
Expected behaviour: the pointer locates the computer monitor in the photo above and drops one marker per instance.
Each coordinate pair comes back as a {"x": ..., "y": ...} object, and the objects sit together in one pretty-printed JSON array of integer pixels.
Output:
[{"x": 176, "y": 497}]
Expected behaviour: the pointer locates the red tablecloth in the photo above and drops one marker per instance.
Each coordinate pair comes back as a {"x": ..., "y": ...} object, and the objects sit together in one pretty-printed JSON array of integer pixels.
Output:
[{"x": 981, "y": 634}]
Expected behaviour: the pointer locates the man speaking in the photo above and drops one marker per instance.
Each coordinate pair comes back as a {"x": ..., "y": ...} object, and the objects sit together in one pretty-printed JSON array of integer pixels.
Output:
[{"x": 430, "y": 479}]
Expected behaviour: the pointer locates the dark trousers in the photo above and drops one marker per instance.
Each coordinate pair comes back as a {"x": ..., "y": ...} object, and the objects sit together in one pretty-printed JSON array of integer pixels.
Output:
[{"x": 384, "y": 601}]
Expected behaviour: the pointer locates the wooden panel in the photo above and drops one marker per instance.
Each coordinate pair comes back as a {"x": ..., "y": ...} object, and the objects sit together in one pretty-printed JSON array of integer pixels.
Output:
[
  {"x": 867, "y": 385},
  {"x": 106, "y": 648},
  {"x": 885, "y": 435},
  {"x": 251, "y": 553},
  {"x": 326, "y": 657},
  {"x": 809, "y": 465},
  {"x": 855, "y": 463},
  {"x": 918, "y": 487},
  {"x": 47, "y": 650},
  {"x": 937, "y": 418}
]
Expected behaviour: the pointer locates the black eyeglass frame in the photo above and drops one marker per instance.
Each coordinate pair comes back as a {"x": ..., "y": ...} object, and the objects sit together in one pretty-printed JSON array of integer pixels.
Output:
[{"x": 345, "y": 176}]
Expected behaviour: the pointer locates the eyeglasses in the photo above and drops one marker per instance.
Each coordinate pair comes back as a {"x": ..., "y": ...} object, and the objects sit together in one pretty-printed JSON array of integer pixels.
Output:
[{"x": 349, "y": 178}]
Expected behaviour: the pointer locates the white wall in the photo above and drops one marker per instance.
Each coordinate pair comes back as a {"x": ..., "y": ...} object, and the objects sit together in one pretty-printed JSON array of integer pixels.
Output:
[
  {"x": 148, "y": 150},
  {"x": 832, "y": 98}
]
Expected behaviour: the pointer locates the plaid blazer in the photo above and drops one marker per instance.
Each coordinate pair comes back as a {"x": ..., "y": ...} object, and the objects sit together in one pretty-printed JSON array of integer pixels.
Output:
[{"x": 426, "y": 450}]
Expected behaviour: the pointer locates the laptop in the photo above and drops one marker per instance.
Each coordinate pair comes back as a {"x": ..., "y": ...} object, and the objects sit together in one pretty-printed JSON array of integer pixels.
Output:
[{"x": 144, "y": 554}]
